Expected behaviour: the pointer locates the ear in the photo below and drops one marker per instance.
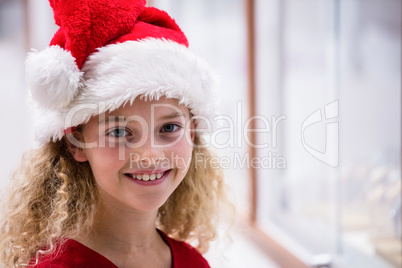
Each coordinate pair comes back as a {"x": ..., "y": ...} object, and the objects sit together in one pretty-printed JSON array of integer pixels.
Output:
[
  {"x": 73, "y": 141},
  {"x": 192, "y": 130}
]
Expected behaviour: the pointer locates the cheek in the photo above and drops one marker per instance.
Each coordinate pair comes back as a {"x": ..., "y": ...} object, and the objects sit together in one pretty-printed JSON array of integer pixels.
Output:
[
  {"x": 182, "y": 155},
  {"x": 102, "y": 160}
]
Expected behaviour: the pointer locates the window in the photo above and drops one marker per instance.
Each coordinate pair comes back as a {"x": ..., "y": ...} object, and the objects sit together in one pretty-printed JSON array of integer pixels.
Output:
[
  {"x": 330, "y": 70},
  {"x": 12, "y": 93}
]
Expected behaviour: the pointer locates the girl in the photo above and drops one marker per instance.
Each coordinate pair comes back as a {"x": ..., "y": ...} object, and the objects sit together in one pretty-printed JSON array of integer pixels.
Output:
[{"x": 122, "y": 176}]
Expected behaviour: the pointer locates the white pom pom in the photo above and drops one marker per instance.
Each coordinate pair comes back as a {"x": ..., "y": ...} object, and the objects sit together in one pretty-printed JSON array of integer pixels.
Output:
[{"x": 53, "y": 77}]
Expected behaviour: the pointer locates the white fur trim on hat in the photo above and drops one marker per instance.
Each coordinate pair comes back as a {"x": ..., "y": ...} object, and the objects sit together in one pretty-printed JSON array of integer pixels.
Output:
[
  {"x": 151, "y": 68},
  {"x": 53, "y": 77}
]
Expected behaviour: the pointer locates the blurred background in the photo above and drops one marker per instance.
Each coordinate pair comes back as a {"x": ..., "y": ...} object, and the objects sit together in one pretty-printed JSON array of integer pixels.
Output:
[{"x": 311, "y": 118}]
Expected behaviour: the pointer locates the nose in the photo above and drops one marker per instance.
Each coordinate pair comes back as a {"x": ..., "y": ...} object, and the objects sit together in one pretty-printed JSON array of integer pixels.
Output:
[{"x": 147, "y": 153}]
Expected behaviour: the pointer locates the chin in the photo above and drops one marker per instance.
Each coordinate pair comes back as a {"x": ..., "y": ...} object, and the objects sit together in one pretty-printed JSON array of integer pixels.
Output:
[{"x": 151, "y": 205}]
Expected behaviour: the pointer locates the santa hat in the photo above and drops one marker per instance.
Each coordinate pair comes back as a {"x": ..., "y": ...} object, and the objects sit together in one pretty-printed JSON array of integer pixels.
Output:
[{"x": 105, "y": 54}]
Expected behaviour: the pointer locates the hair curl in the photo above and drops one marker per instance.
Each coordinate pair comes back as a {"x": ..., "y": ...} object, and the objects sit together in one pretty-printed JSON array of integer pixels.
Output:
[{"x": 55, "y": 199}]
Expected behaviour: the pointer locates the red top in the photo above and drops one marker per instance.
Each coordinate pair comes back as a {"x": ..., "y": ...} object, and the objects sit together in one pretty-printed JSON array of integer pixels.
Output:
[{"x": 75, "y": 255}]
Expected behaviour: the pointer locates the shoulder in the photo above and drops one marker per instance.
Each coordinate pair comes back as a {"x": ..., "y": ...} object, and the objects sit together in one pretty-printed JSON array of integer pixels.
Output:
[
  {"x": 184, "y": 255},
  {"x": 73, "y": 254}
]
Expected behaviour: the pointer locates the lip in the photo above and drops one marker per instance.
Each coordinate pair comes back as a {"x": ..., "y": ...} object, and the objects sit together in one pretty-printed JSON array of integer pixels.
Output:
[
  {"x": 150, "y": 183},
  {"x": 149, "y": 172}
]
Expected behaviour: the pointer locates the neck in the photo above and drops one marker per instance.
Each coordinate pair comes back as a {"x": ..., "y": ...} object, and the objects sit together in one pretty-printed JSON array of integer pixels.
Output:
[
  {"x": 123, "y": 228},
  {"x": 120, "y": 230},
  {"x": 127, "y": 237}
]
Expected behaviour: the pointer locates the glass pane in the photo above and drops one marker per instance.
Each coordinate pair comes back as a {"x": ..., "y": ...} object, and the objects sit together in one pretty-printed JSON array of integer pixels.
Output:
[
  {"x": 13, "y": 113},
  {"x": 370, "y": 132},
  {"x": 302, "y": 194},
  {"x": 330, "y": 70}
]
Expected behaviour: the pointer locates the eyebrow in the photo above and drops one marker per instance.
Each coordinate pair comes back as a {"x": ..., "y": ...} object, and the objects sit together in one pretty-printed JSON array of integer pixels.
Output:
[
  {"x": 171, "y": 116},
  {"x": 108, "y": 119},
  {"x": 120, "y": 119}
]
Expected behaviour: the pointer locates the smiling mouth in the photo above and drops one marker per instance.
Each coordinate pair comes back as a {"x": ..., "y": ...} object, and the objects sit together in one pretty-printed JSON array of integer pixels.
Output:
[{"x": 147, "y": 177}]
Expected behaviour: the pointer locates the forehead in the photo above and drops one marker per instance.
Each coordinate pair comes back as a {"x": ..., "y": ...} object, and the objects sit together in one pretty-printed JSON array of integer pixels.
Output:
[{"x": 151, "y": 108}]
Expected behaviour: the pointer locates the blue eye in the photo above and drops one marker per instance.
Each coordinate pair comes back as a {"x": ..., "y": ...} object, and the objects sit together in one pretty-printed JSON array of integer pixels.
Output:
[
  {"x": 170, "y": 128},
  {"x": 118, "y": 133}
]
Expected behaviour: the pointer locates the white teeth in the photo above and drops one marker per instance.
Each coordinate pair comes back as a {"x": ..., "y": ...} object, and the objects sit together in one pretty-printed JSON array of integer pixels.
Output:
[{"x": 147, "y": 177}]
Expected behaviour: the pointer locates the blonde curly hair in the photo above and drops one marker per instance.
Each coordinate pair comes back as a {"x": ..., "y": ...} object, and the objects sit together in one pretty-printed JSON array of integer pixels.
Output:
[{"x": 55, "y": 198}]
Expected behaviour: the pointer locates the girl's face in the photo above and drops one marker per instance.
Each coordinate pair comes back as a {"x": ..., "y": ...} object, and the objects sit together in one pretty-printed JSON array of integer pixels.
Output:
[{"x": 139, "y": 153}]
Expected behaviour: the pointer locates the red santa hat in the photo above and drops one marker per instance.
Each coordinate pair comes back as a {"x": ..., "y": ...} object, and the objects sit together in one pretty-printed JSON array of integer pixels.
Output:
[{"x": 105, "y": 54}]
